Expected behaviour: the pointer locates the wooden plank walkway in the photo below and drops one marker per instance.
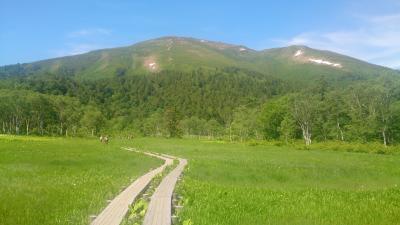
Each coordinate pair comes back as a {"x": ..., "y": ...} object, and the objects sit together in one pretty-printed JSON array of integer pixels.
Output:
[
  {"x": 117, "y": 208},
  {"x": 159, "y": 210}
]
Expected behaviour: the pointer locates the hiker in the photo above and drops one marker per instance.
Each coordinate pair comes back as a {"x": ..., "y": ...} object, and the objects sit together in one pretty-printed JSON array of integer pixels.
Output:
[{"x": 104, "y": 139}]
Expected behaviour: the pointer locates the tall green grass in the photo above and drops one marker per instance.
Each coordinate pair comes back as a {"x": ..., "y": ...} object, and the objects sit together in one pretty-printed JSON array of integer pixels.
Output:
[
  {"x": 265, "y": 184},
  {"x": 62, "y": 181}
]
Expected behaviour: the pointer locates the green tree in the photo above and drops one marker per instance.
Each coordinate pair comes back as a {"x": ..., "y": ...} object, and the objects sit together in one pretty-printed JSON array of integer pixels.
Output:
[
  {"x": 304, "y": 108},
  {"x": 171, "y": 120},
  {"x": 287, "y": 128},
  {"x": 245, "y": 123},
  {"x": 92, "y": 120},
  {"x": 271, "y": 117},
  {"x": 213, "y": 128},
  {"x": 154, "y": 125}
]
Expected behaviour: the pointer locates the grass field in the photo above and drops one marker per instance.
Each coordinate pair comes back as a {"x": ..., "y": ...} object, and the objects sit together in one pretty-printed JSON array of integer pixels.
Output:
[
  {"x": 62, "y": 181},
  {"x": 241, "y": 184}
]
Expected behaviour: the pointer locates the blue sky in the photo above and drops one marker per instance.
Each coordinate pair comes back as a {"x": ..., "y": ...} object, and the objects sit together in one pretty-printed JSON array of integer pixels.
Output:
[{"x": 34, "y": 30}]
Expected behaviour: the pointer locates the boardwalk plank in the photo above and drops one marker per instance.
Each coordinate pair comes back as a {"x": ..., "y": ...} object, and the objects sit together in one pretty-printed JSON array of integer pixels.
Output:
[
  {"x": 117, "y": 208},
  {"x": 159, "y": 210}
]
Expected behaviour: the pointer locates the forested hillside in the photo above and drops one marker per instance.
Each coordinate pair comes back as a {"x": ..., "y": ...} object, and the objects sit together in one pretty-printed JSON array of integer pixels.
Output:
[{"x": 178, "y": 86}]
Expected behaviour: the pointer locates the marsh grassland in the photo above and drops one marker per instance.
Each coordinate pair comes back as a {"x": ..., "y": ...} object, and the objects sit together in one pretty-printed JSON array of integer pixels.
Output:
[
  {"x": 62, "y": 181},
  {"x": 228, "y": 184}
]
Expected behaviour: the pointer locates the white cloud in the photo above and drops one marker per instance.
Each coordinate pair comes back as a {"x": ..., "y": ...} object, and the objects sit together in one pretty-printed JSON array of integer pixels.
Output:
[
  {"x": 88, "y": 32},
  {"x": 385, "y": 20},
  {"x": 83, "y": 41},
  {"x": 376, "y": 41},
  {"x": 76, "y": 49}
]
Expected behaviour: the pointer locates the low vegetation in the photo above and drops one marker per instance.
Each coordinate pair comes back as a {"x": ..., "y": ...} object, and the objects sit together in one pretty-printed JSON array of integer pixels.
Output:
[
  {"x": 62, "y": 181},
  {"x": 138, "y": 208},
  {"x": 264, "y": 184}
]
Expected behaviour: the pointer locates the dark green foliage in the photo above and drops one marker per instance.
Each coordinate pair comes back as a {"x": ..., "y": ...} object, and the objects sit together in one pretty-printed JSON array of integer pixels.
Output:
[
  {"x": 202, "y": 88},
  {"x": 363, "y": 112},
  {"x": 135, "y": 103},
  {"x": 171, "y": 118},
  {"x": 274, "y": 112}
]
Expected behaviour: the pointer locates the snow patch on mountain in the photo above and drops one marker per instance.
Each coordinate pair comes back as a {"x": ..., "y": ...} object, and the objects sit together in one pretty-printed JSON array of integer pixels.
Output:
[
  {"x": 298, "y": 53},
  {"x": 300, "y": 56},
  {"x": 323, "y": 62},
  {"x": 151, "y": 64},
  {"x": 242, "y": 49}
]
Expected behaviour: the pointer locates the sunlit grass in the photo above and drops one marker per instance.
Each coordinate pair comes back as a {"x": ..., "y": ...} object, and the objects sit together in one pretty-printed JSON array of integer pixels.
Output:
[
  {"x": 8, "y": 138},
  {"x": 265, "y": 184},
  {"x": 62, "y": 181}
]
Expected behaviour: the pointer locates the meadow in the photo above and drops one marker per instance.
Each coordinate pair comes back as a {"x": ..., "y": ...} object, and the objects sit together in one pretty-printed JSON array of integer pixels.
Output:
[
  {"x": 62, "y": 181},
  {"x": 228, "y": 184}
]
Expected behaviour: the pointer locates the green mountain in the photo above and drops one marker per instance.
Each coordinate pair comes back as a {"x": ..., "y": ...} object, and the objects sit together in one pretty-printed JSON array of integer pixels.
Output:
[
  {"x": 172, "y": 86},
  {"x": 295, "y": 63}
]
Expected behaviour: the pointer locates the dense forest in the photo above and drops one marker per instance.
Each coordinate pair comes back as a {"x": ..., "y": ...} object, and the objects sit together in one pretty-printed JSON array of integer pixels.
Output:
[
  {"x": 127, "y": 103},
  {"x": 176, "y": 86},
  {"x": 231, "y": 103}
]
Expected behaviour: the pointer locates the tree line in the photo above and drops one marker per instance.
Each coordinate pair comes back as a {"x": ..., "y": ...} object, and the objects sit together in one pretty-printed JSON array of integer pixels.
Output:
[
  {"x": 230, "y": 104},
  {"x": 362, "y": 112},
  {"x": 26, "y": 112}
]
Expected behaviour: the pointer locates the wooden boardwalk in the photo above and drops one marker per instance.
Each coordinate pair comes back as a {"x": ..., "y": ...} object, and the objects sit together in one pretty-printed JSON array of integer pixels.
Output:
[
  {"x": 118, "y": 207},
  {"x": 159, "y": 210}
]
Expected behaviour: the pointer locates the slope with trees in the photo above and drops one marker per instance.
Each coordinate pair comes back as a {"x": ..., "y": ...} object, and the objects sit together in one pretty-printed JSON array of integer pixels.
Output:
[{"x": 208, "y": 89}]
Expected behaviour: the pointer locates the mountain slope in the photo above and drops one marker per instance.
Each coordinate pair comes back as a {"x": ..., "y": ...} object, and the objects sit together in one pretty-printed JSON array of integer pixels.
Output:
[
  {"x": 159, "y": 86},
  {"x": 295, "y": 63}
]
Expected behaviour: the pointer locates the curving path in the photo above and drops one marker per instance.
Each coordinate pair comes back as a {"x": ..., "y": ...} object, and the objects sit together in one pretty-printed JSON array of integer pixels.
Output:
[
  {"x": 117, "y": 208},
  {"x": 159, "y": 210}
]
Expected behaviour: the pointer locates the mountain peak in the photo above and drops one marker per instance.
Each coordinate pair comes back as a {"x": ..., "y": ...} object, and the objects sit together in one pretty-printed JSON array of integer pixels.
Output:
[
  {"x": 170, "y": 40},
  {"x": 299, "y": 46},
  {"x": 187, "y": 54}
]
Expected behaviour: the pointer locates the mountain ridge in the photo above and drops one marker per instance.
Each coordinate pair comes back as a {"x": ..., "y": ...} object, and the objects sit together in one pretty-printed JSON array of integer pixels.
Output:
[
  {"x": 199, "y": 40},
  {"x": 187, "y": 53}
]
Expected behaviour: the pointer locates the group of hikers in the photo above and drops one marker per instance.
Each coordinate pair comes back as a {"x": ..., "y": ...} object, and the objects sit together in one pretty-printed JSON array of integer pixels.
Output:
[{"x": 104, "y": 139}]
